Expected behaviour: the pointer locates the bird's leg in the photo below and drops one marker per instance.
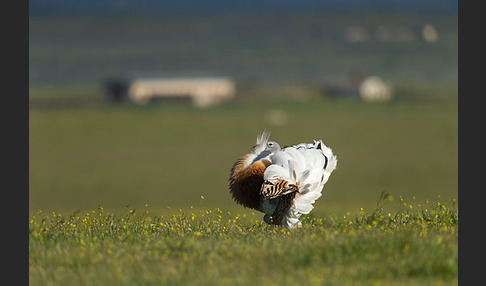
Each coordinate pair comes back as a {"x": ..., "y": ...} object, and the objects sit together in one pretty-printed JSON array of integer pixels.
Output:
[{"x": 283, "y": 206}]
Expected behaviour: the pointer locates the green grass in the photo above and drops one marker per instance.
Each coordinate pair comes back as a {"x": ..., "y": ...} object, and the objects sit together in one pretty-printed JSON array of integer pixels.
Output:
[
  {"x": 417, "y": 245},
  {"x": 149, "y": 166},
  {"x": 137, "y": 162},
  {"x": 171, "y": 154}
]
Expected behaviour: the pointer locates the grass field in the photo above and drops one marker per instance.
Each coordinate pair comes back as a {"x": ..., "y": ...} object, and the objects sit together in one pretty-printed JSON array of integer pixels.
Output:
[
  {"x": 115, "y": 195},
  {"x": 416, "y": 245},
  {"x": 171, "y": 154},
  {"x": 128, "y": 195}
]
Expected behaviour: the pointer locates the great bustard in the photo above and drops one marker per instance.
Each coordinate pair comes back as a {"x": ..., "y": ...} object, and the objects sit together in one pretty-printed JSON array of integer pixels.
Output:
[{"x": 283, "y": 182}]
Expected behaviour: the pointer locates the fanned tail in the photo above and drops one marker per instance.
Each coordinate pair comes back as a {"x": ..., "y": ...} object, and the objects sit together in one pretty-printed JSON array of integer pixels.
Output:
[{"x": 307, "y": 166}]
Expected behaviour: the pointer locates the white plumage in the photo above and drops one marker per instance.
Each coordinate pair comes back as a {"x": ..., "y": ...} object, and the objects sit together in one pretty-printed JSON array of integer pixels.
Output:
[
  {"x": 307, "y": 166},
  {"x": 288, "y": 180}
]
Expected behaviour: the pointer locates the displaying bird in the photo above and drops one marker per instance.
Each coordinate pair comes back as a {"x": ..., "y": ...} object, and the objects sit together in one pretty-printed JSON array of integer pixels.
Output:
[{"x": 283, "y": 183}]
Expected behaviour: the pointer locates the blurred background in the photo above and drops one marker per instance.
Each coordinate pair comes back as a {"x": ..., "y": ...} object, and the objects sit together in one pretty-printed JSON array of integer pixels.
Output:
[{"x": 150, "y": 102}]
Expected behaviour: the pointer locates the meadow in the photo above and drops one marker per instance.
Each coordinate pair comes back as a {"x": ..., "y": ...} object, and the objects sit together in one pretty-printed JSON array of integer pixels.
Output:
[
  {"x": 128, "y": 195},
  {"x": 171, "y": 154},
  {"x": 416, "y": 245}
]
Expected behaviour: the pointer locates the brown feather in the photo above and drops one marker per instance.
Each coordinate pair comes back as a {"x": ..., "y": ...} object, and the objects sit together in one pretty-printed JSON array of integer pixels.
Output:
[
  {"x": 245, "y": 183},
  {"x": 281, "y": 187}
]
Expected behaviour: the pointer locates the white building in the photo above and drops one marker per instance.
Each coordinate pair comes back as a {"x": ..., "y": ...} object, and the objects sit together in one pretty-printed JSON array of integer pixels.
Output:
[
  {"x": 202, "y": 92},
  {"x": 373, "y": 88}
]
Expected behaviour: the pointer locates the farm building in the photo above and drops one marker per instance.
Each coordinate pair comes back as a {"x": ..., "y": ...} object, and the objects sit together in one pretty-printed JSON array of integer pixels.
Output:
[
  {"x": 202, "y": 92},
  {"x": 369, "y": 88}
]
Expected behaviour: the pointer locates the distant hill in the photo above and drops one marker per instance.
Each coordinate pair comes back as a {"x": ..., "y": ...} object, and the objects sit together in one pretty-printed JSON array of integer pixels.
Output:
[
  {"x": 222, "y": 6},
  {"x": 250, "y": 46}
]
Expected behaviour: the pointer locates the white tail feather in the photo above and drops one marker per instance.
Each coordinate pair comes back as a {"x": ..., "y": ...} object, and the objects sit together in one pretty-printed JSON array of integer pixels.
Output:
[{"x": 306, "y": 165}]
